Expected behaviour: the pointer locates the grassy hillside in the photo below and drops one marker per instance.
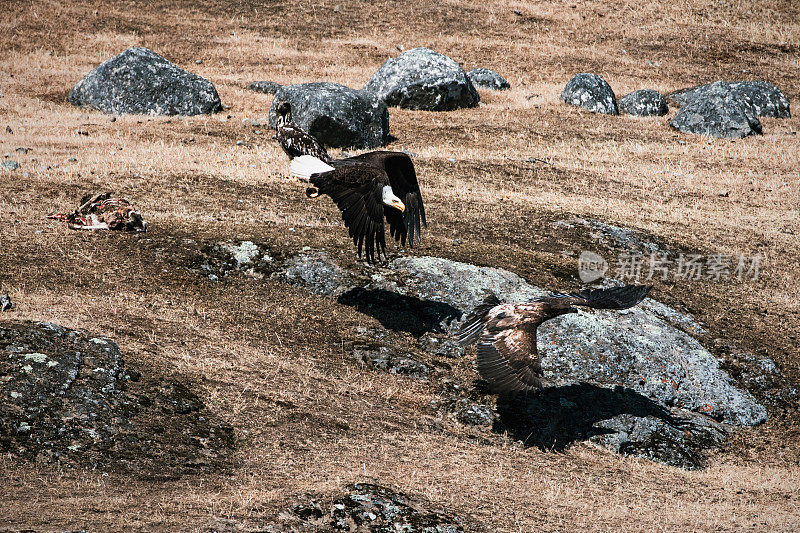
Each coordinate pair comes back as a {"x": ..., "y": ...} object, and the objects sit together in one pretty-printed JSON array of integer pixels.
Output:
[{"x": 268, "y": 359}]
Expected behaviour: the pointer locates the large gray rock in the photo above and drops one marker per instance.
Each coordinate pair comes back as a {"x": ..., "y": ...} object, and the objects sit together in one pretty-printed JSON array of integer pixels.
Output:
[
  {"x": 717, "y": 113},
  {"x": 488, "y": 79},
  {"x": 636, "y": 348},
  {"x": 762, "y": 98},
  {"x": 336, "y": 115},
  {"x": 423, "y": 79},
  {"x": 139, "y": 81},
  {"x": 643, "y": 103},
  {"x": 591, "y": 92},
  {"x": 68, "y": 397}
]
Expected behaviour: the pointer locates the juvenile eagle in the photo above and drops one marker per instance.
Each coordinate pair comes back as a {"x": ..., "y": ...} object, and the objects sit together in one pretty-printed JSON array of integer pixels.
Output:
[
  {"x": 369, "y": 188},
  {"x": 293, "y": 139},
  {"x": 506, "y": 333}
]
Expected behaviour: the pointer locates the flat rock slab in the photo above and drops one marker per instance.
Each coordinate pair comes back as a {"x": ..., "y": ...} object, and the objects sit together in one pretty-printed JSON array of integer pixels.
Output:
[
  {"x": 368, "y": 507},
  {"x": 423, "y": 79},
  {"x": 643, "y": 103},
  {"x": 488, "y": 79},
  {"x": 717, "y": 113},
  {"x": 762, "y": 98},
  {"x": 69, "y": 398},
  {"x": 336, "y": 115},
  {"x": 591, "y": 92},
  {"x": 138, "y": 81},
  {"x": 265, "y": 87}
]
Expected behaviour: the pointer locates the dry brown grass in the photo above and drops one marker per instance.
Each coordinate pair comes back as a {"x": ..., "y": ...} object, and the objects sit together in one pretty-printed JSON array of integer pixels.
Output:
[{"x": 268, "y": 358}]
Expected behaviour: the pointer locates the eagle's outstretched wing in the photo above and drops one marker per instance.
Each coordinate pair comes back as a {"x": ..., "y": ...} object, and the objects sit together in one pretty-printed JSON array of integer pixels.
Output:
[
  {"x": 356, "y": 189},
  {"x": 403, "y": 178},
  {"x": 506, "y": 333}
]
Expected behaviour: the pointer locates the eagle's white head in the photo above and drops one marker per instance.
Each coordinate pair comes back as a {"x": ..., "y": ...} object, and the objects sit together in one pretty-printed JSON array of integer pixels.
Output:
[{"x": 391, "y": 200}]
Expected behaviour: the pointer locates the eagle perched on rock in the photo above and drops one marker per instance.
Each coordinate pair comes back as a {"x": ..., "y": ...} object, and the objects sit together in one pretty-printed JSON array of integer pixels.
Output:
[
  {"x": 368, "y": 189},
  {"x": 506, "y": 333},
  {"x": 293, "y": 139}
]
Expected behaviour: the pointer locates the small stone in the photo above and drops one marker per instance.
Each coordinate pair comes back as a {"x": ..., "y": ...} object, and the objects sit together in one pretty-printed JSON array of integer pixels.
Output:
[
  {"x": 591, "y": 92},
  {"x": 643, "y": 103},
  {"x": 199, "y": 62},
  {"x": 10, "y": 165},
  {"x": 73, "y": 159},
  {"x": 488, "y": 79},
  {"x": 265, "y": 87},
  {"x": 5, "y": 303},
  {"x": 724, "y": 194}
]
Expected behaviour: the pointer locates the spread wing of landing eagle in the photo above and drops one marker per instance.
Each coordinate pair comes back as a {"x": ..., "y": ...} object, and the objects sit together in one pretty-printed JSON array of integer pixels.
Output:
[
  {"x": 293, "y": 139},
  {"x": 506, "y": 333},
  {"x": 370, "y": 190}
]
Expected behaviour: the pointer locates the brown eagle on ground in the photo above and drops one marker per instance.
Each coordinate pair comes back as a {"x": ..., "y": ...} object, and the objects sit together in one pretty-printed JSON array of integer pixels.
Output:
[
  {"x": 368, "y": 189},
  {"x": 506, "y": 333},
  {"x": 103, "y": 211},
  {"x": 293, "y": 139}
]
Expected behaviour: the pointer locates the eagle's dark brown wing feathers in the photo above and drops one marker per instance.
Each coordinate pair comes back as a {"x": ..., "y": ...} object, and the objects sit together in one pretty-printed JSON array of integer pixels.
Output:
[
  {"x": 296, "y": 142},
  {"x": 613, "y": 298},
  {"x": 402, "y": 177},
  {"x": 356, "y": 190},
  {"x": 507, "y": 356}
]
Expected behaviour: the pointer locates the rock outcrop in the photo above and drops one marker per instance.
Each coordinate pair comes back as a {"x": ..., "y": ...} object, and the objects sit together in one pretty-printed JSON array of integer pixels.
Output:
[
  {"x": 591, "y": 92},
  {"x": 139, "y": 81},
  {"x": 423, "y": 79},
  {"x": 336, "y": 115},
  {"x": 69, "y": 398},
  {"x": 643, "y": 103}
]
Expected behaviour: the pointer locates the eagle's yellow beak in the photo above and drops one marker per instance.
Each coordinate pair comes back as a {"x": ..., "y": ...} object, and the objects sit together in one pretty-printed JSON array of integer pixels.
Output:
[{"x": 397, "y": 204}]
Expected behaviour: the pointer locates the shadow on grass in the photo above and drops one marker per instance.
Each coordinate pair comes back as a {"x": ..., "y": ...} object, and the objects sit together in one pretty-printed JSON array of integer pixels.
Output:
[{"x": 401, "y": 313}]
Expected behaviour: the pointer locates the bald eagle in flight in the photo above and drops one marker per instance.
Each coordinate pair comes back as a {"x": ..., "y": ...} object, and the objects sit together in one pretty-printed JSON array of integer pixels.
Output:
[
  {"x": 368, "y": 189},
  {"x": 293, "y": 139},
  {"x": 506, "y": 333}
]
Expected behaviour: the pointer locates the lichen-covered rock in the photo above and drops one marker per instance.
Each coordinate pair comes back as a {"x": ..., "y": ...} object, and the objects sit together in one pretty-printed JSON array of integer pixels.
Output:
[
  {"x": 69, "y": 398},
  {"x": 423, "y": 79},
  {"x": 318, "y": 273},
  {"x": 367, "y": 507},
  {"x": 643, "y": 103},
  {"x": 265, "y": 87},
  {"x": 591, "y": 92},
  {"x": 336, "y": 115},
  {"x": 222, "y": 259},
  {"x": 370, "y": 347},
  {"x": 636, "y": 348},
  {"x": 634, "y": 381},
  {"x": 139, "y": 81},
  {"x": 717, "y": 113},
  {"x": 762, "y": 97},
  {"x": 488, "y": 79}
]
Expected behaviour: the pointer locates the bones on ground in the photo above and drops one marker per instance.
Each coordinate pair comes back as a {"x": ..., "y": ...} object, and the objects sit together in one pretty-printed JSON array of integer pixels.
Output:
[{"x": 103, "y": 211}]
